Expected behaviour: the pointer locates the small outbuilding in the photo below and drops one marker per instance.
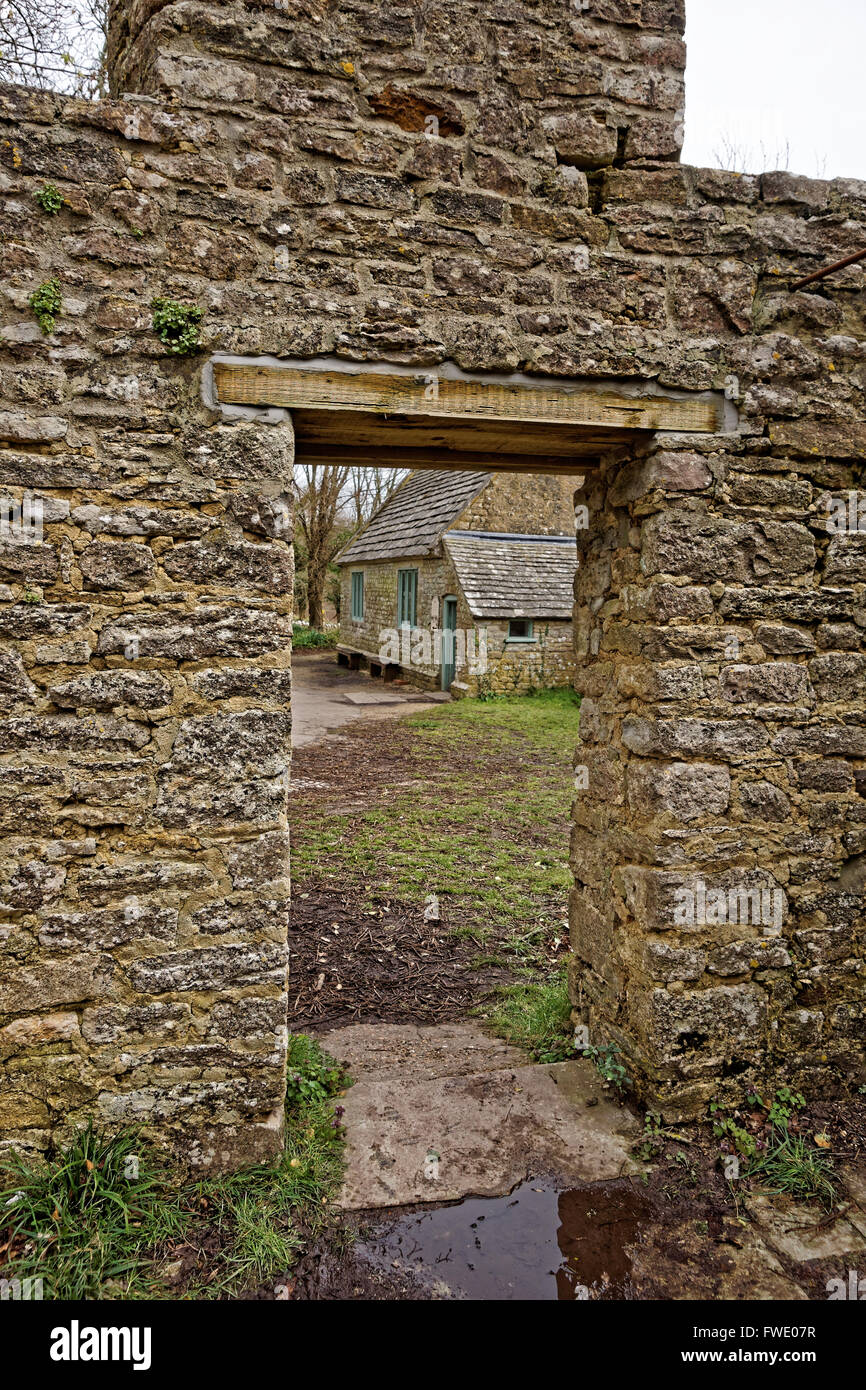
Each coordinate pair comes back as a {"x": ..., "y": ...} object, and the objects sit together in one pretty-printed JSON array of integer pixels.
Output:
[{"x": 464, "y": 581}]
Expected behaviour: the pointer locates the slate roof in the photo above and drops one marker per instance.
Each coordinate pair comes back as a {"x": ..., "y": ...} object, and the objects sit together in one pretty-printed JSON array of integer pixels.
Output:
[
  {"x": 514, "y": 577},
  {"x": 411, "y": 522}
]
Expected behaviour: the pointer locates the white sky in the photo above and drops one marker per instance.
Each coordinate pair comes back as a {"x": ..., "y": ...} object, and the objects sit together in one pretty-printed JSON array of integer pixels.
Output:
[{"x": 767, "y": 74}]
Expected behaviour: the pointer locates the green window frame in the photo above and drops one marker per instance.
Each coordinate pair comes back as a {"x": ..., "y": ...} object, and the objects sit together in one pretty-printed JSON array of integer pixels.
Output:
[
  {"x": 520, "y": 630},
  {"x": 407, "y": 597},
  {"x": 357, "y": 596}
]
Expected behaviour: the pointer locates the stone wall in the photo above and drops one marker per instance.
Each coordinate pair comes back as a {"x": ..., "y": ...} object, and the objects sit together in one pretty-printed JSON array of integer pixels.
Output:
[
  {"x": 508, "y": 667},
  {"x": 720, "y": 648},
  {"x": 514, "y": 668},
  {"x": 436, "y": 578},
  {"x": 532, "y": 504},
  {"x": 497, "y": 187},
  {"x": 144, "y": 648}
]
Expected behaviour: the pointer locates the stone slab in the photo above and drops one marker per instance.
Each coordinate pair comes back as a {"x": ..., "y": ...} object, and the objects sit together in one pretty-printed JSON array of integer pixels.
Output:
[{"x": 442, "y": 1113}]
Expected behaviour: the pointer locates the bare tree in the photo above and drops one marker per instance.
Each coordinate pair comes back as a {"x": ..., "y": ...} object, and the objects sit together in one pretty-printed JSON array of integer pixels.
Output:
[
  {"x": 319, "y": 492},
  {"x": 368, "y": 488},
  {"x": 742, "y": 158},
  {"x": 55, "y": 44},
  {"x": 332, "y": 502}
]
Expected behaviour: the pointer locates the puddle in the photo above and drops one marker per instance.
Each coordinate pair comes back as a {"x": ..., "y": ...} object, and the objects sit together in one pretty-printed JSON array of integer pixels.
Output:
[{"x": 537, "y": 1243}]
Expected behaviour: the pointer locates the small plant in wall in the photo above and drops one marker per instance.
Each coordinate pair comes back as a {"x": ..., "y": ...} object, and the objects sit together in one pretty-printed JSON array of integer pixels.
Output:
[
  {"x": 50, "y": 199},
  {"x": 611, "y": 1070},
  {"x": 177, "y": 325},
  {"x": 47, "y": 304}
]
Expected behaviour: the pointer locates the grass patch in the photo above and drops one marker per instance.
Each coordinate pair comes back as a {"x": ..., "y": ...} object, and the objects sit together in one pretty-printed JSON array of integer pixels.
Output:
[
  {"x": 307, "y": 638},
  {"x": 535, "y": 1016},
  {"x": 782, "y": 1160},
  {"x": 792, "y": 1165},
  {"x": 498, "y": 862},
  {"x": 108, "y": 1217}
]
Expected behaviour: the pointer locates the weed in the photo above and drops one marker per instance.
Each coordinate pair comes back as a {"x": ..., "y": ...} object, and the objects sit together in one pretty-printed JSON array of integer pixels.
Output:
[
  {"x": 305, "y": 637},
  {"x": 78, "y": 1220},
  {"x": 103, "y": 1218},
  {"x": 782, "y": 1162},
  {"x": 725, "y": 1127},
  {"x": 536, "y": 1016},
  {"x": 791, "y": 1165},
  {"x": 177, "y": 325},
  {"x": 312, "y": 1075},
  {"x": 609, "y": 1067},
  {"x": 50, "y": 199},
  {"x": 47, "y": 304}
]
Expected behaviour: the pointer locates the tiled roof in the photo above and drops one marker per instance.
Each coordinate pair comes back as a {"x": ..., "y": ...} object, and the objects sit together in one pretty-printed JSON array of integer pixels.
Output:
[
  {"x": 411, "y": 522},
  {"x": 511, "y": 577}
]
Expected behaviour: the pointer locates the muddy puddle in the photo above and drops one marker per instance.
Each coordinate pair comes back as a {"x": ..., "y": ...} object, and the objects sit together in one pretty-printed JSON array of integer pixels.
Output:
[{"x": 539, "y": 1242}]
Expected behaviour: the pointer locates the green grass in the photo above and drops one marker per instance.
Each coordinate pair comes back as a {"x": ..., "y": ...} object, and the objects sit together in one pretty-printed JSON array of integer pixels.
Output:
[
  {"x": 535, "y": 1016},
  {"x": 793, "y": 1166},
  {"x": 483, "y": 822},
  {"x": 781, "y": 1162},
  {"x": 106, "y": 1216},
  {"x": 314, "y": 637}
]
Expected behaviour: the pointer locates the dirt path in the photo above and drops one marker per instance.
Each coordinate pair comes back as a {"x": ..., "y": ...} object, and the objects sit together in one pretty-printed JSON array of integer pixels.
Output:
[{"x": 557, "y": 1193}]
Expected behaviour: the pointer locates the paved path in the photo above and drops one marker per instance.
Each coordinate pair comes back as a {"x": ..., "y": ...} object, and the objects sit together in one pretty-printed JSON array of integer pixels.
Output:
[
  {"x": 439, "y": 1113},
  {"x": 326, "y": 696}
]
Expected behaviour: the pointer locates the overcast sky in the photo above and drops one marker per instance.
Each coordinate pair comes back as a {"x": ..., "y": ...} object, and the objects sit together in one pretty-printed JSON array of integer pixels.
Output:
[{"x": 766, "y": 74}]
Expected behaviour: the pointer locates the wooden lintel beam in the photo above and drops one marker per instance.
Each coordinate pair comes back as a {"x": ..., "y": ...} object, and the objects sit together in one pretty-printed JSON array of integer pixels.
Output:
[
  {"x": 341, "y": 455},
  {"x": 424, "y": 393}
]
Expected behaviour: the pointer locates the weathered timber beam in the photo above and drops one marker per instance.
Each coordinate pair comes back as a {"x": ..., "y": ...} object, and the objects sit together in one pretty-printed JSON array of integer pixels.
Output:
[{"x": 426, "y": 394}]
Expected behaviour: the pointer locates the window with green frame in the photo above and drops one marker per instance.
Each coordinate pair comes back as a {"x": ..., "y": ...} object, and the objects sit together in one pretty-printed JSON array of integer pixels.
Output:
[
  {"x": 520, "y": 630},
  {"x": 357, "y": 596},
  {"x": 407, "y": 597}
]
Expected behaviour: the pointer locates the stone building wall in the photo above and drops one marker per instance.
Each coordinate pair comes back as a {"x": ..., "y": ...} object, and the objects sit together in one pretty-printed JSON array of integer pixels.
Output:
[
  {"x": 514, "y": 668},
  {"x": 494, "y": 186},
  {"x": 720, "y": 651},
  {"x": 144, "y": 650},
  {"x": 494, "y": 665},
  {"x": 532, "y": 504},
  {"x": 436, "y": 578}
]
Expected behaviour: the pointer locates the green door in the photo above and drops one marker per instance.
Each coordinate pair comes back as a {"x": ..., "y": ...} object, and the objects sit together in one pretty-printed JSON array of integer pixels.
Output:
[{"x": 449, "y": 630}]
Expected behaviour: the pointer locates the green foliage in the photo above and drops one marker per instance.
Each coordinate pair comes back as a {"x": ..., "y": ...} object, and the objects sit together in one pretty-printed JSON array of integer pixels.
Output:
[
  {"x": 536, "y": 1016},
  {"x": 609, "y": 1067},
  {"x": 313, "y": 1076},
  {"x": 792, "y": 1165},
  {"x": 177, "y": 325},
  {"x": 304, "y": 637},
  {"x": 47, "y": 304},
  {"x": 102, "y": 1218},
  {"x": 725, "y": 1127},
  {"x": 782, "y": 1162},
  {"x": 77, "y": 1220},
  {"x": 783, "y": 1106},
  {"x": 50, "y": 199}
]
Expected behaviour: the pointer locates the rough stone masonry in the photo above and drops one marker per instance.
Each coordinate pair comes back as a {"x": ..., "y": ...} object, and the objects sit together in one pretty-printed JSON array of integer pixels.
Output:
[{"x": 490, "y": 184}]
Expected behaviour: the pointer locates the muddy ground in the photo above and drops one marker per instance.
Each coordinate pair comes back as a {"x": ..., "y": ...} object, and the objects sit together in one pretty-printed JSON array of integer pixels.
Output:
[{"x": 680, "y": 1230}]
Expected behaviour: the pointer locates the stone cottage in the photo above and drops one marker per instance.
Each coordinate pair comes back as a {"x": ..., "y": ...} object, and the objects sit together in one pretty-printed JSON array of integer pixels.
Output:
[{"x": 464, "y": 581}]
